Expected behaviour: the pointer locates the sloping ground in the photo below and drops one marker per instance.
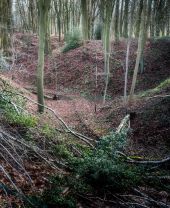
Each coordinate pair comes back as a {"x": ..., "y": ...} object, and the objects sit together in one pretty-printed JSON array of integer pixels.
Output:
[
  {"x": 75, "y": 70},
  {"x": 151, "y": 129},
  {"x": 149, "y": 122},
  {"x": 75, "y": 81}
]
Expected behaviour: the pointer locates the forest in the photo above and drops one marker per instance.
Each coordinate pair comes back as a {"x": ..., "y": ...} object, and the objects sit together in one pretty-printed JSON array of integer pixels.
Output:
[{"x": 85, "y": 103}]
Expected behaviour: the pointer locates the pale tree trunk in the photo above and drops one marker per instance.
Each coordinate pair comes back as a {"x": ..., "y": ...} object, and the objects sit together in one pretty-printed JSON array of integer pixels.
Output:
[
  {"x": 152, "y": 25},
  {"x": 23, "y": 16},
  {"x": 128, "y": 49},
  {"x": 139, "y": 52},
  {"x": 121, "y": 18},
  {"x": 106, "y": 7},
  {"x": 92, "y": 15},
  {"x": 43, "y": 8}
]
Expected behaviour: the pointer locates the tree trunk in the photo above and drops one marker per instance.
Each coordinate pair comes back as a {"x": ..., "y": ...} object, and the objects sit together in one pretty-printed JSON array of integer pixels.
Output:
[
  {"x": 116, "y": 25},
  {"x": 125, "y": 28},
  {"x": 139, "y": 52},
  {"x": 84, "y": 19},
  {"x": 43, "y": 7},
  {"x": 121, "y": 18},
  {"x": 5, "y": 24},
  {"x": 138, "y": 18},
  {"x": 47, "y": 36},
  {"x": 148, "y": 18},
  {"x": 128, "y": 50},
  {"x": 107, "y": 7}
]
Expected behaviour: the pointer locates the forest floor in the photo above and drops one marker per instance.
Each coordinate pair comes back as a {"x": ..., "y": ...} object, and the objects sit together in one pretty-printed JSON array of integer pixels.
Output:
[{"x": 72, "y": 77}]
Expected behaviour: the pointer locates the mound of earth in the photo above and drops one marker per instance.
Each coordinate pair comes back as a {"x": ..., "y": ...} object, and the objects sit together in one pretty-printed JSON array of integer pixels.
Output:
[{"x": 76, "y": 70}]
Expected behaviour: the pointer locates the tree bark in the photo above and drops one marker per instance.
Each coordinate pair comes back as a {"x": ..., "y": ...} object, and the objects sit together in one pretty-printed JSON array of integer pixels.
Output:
[
  {"x": 125, "y": 28},
  {"x": 84, "y": 19},
  {"x": 139, "y": 52},
  {"x": 5, "y": 24},
  {"x": 43, "y": 7}
]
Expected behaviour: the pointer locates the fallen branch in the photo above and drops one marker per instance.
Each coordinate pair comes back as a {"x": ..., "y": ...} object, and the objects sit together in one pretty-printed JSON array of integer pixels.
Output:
[
  {"x": 125, "y": 122},
  {"x": 157, "y": 96},
  {"x": 147, "y": 198},
  {"x": 22, "y": 146},
  {"x": 9, "y": 178},
  {"x": 69, "y": 130},
  {"x": 153, "y": 162},
  {"x": 35, "y": 92}
]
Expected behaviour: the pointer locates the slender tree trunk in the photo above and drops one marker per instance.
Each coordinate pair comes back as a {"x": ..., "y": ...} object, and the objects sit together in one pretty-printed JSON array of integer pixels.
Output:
[
  {"x": 107, "y": 11},
  {"x": 125, "y": 28},
  {"x": 58, "y": 8},
  {"x": 43, "y": 8},
  {"x": 148, "y": 18},
  {"x": 138, "y": 18},
  {"x": 152, "y": 23},
  {"x": 121, "y": 19},
  {"x": 84, "y": 19},
  {"x": 116, "y": 25},
  {"x": 139, "y": 52},
  {"x": 128, "y": 50}
]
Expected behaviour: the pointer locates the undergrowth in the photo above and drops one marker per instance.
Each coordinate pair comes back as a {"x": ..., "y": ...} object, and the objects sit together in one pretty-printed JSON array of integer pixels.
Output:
[
  {"x": 73, "y": 40},
  {"x": 12, "y": 108},
  {"x": 96, "y": 170},
  {"x": 161, "y": 87}
]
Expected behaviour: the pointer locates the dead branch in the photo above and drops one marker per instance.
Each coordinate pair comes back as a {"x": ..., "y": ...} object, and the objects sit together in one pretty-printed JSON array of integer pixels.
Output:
[
  {"x": 147, "y": 198},
  {"x": 153, "y": 162},
  {"x": 123, "y": 124},
  {"x": 22, "y": 145},
  {"x": 9, "y": 178},
  {"x": 157, "y": 96},
  {"x": 86, "y": 139}
]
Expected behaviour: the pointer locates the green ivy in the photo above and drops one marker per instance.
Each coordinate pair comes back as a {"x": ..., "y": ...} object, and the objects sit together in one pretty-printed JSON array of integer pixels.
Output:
[{"x": 73, "y": 40}]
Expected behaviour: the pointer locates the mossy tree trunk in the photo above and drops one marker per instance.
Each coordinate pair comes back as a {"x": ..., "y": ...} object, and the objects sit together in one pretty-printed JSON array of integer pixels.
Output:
[
  {"x": 168, "y": 18},
  {"x": 58, "y": 8},
  {"x": 116, "y": 21},
  {"x": 84, "y": 12},
  {"x": 43, "y": 8},
  {"x": 32, "y": 16},
  {"x": 5, "y": 24},
  {"x": 138, "y": 17},
  {"x": 47, "y": 36}
]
